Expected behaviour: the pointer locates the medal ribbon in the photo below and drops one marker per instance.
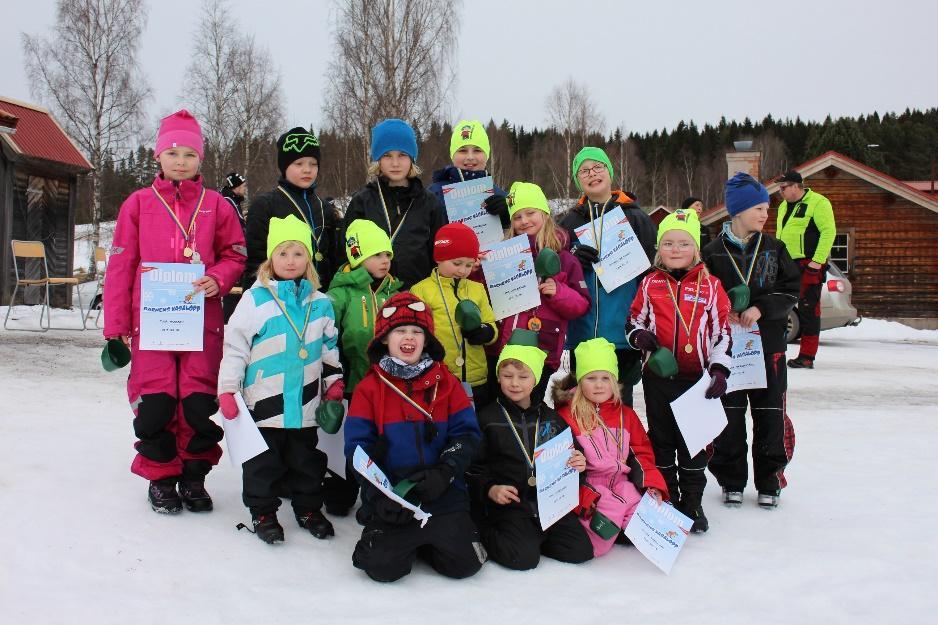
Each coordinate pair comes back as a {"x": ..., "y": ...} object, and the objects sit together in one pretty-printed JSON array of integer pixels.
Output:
[
  {"x": 410, "y": 401},
  {"x": 387, "y": 215},
  {"x": 752, "y": 261},
  {"x": 312, "y": 229},
  {"x": 511, "y": 426},
  {"x": 620, "y": 440},
  {"x": 677, "y": 306},
  {"x": 452, "y": 325},
  {"x": 300, "y": 335},
  {"x": 186, "y": 234}
]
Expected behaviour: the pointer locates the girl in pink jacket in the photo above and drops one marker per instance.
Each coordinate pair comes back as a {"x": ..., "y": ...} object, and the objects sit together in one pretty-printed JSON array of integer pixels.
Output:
[{"x": 172, "y": 393}]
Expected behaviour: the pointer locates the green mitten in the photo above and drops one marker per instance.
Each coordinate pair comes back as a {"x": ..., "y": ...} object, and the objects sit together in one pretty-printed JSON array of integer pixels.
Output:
[{"x": 329, "y": 416}]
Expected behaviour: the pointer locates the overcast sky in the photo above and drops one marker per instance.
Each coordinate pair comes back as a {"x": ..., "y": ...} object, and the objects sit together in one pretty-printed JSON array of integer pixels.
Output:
[{"x": 646, "y": 64}]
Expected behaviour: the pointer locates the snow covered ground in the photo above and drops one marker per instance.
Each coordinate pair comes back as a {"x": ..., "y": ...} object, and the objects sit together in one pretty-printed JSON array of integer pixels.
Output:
[{"x": 852, "y": 541}]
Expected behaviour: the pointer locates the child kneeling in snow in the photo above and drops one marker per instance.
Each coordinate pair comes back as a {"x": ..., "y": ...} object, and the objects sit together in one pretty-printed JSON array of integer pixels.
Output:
[
  {"x": 280, "y": 346},
  {"x": 620, "y": 463},
  {"x": 413, "y": 418}
]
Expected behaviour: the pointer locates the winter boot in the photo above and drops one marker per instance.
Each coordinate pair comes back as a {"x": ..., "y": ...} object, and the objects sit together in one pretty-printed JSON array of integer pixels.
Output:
[
  {"x": 163, "y": 496},
  {"x": 267, "y": 528},
  {"x": 318, "y": 525},
  {"x": 732, "y": 498},
  {"x": 194, "y": 496},
  {"x": 768, "y": 500},
  {"x": 691, "y": 507},
  {"x": 801, "y": 362}
]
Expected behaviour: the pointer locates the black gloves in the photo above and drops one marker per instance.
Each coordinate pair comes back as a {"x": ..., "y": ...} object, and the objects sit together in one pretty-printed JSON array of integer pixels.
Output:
[
  {"x": 586, "y": 254},
  {"x": 481, "y": 335},
  {"x": 392, "y": 512},
  {"x": 495, "y": 205},
  {"x": 430, "y": 484},
  {"x": 644, "y": 340},
  {"x": 717, "y": 386}
]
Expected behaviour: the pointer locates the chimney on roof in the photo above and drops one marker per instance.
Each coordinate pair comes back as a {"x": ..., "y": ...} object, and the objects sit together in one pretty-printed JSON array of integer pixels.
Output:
[
  {"x": 744, "y": 159},
  {"x": 8, "y": 122}
]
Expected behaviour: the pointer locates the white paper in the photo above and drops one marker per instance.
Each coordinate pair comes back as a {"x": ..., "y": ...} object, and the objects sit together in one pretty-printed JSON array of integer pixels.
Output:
[
  {"x": 699, "y": 419},
  {"x": 243, "y": 438},
  {"x": 172, "y": 314},
  {"x": 748, "y": 367},
  {"x": 367, "y": 467},
  {"x": 333, "y": 445},
  {"x": 658, "y": 531},
  {"x": 622, "y": 257},
  {"x": 558, "y": 486},
  {"x": 509, "y": 275}
]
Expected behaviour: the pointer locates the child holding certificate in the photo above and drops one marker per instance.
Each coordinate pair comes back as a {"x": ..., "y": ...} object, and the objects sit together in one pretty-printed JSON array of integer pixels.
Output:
[
  {"x": 502, "y": 475},
  {"x": 174, "y": 220},
  {"x": 680, "y": 317},
  {"x": 413, "y": 419},
  {"x": 469, "y": 150},
  {"x": 593, "y": 175},
  {"x": 564, "y": 295},
  {"x": 397, "y": 201},
  {"x": 763, "y": 283},
  {"x": 281, "y": 353},
  {"x": 620, "y": 463},
  {"x": 461, "y": 310}
]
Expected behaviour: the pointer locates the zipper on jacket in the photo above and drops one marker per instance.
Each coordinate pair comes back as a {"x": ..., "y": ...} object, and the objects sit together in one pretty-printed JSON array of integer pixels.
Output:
[
  {"x": 612, "y": 478},
  {"x": 418, "y": 439},
  {"x": 364, "y": 313}
]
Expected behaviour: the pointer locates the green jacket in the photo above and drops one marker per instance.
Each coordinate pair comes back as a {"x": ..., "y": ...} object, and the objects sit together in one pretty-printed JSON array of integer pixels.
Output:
[
  {"x": 448, "y": 332},
  {"x": 809, "y": 231},
  {"x": 355, "y": 307}
]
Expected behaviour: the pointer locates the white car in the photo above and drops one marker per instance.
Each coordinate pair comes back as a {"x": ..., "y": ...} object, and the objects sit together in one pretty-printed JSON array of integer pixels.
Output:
[{"x": 836, "y": 309}]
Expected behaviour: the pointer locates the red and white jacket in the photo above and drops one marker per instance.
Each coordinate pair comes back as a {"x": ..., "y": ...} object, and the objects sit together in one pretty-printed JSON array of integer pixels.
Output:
[{"x": 653, "y": 309}]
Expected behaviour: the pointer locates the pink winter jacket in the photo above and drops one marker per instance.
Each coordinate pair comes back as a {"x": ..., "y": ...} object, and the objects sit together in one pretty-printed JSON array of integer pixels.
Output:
[{"x": 145, "y": 232}]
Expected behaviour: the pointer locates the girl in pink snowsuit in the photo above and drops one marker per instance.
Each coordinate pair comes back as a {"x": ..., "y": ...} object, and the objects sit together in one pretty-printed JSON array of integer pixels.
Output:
[{"x": 172, "y": 393}]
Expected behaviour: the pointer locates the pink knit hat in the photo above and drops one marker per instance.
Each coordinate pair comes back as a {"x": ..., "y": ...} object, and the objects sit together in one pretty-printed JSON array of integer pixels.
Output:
[{"x": 180, "y": 129}]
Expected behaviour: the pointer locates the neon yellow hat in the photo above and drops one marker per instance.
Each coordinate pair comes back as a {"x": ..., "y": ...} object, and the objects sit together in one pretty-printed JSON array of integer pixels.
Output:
[
  {"x": 469, "y": 132},
  {"x": 289, "y": 228},
  {"x": 532, "y": 357},
  {"x": 596, "y": 355},
  {"x": 364, "y": 238},
  {"x": 526, "y": 195},
  {"x": 680, "y": 219}
]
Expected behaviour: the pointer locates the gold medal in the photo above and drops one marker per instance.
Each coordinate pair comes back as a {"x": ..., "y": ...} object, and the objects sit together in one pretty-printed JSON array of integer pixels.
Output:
[
  {"x": 303, "y": 353},
  {"x": 599, "y": 270},
  {"x": 187, "y": 252},
  {"x": 460, "y": 361},
  {"x": 532, "y": 481},
  {"x": 534, "y": 324},
  {"x": 688, "y": 348},
  {"x": 318, "y": 256}
]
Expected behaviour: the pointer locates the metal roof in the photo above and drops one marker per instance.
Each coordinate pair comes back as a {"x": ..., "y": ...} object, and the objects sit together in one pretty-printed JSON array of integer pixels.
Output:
[{"x": 39, "y": 136}]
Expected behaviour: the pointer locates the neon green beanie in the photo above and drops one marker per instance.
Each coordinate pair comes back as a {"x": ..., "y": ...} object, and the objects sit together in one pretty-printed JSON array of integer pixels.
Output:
[
  {"x": 469, "y": 132},
  {"x": 526, "y": 195},
  {"x": 532, "y": 357},
  {"x": 364, "y": 238},
  {"x": 590, "y": 154},
  {"x": 596, "y": 355},
  {"x": 288, "y": 229},
  {"x": 680, "y": 219}
]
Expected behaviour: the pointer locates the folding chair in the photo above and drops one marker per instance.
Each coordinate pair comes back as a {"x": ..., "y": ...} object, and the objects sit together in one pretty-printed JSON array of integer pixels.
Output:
[
  {"x": 100, "y": 258},
  {"x": 36, "y": 250}
]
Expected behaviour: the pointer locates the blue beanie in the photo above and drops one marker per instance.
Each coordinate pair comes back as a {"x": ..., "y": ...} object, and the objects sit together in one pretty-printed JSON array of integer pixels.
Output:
[
  {"x": 393, "y": 134},
  {"x": 743, "y": 192}
]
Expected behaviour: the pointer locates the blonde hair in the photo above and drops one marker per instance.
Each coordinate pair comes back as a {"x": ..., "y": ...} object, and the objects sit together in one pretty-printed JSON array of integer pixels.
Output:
[
  {"x": 548, "y": 236},
  {"x": 586, "y": 412},
  {"x": 374, "y": 170},
  {"x": 265, "y": 273}
]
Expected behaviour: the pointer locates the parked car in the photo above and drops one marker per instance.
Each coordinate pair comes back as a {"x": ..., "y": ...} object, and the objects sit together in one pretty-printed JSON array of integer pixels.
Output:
[{"x": 836, "y": 309}]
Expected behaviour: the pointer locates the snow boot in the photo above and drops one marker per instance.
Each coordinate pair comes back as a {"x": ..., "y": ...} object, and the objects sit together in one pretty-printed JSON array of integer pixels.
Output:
[
  {"x": 163, "y": 496},
  {"x": 732, "y": 498},
  {"x": 194, "y": 496},
  {"x": 318, "y": 525},
  {"x": 690, "y": 506},
  {"x": 801, "y": 362},
  {"x": 267, "y": 528},
  {"x": 768, "y": 500}
]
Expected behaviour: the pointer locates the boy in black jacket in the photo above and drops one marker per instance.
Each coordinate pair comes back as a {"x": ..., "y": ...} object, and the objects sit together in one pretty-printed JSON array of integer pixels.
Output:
[
  {"x": 763, "y": 282},
  {"x": 397, "y": 201},
  {"x": 298, "y": 158},
  {"x": 501, "y": 477}
]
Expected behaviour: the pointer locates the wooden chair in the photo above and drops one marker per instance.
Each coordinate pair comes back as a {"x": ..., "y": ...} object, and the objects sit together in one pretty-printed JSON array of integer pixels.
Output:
[
  {"x": 36, "y": 250},
  {"x": 100, "y": 259}
]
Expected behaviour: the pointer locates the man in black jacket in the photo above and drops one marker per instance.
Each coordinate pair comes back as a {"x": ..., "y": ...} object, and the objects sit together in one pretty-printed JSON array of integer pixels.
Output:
[
  {"x": 298, "y": 158},
  {"x": 763, "y": 283}
]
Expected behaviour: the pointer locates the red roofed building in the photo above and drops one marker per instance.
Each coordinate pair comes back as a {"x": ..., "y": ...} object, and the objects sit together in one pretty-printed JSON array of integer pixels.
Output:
[
  {"x": 39, "y": 170},
  {"x": 885, "y": 240}
]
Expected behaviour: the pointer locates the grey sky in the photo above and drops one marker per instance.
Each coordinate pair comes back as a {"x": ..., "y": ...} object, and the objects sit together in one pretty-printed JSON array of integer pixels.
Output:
[{"x": 648, "y": 65}]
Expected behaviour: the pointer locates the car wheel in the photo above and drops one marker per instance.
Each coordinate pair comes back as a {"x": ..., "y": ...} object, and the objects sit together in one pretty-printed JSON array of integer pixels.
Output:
[
  {"x": 794, "y": 326},
  {"x": 96, "y": 303}
]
